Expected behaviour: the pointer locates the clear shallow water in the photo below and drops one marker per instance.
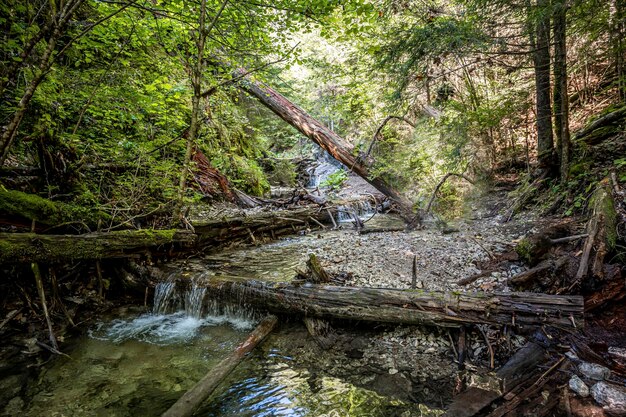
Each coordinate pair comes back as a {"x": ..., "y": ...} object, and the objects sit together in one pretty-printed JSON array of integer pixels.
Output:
[{"x": 139, "y": 366}]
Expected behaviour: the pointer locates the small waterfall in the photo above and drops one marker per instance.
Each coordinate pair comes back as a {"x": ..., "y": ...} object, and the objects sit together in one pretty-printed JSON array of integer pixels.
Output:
[
  {"x": 163, "y": 297},
  {"x": 363, "y": 209},
  {"x": 193, "y": 301},
  {"x": 324, "y": 167}
]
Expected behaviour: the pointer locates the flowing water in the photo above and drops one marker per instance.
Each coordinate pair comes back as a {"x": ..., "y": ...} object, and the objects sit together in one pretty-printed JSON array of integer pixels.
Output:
[{"x": 137, "y": 363}]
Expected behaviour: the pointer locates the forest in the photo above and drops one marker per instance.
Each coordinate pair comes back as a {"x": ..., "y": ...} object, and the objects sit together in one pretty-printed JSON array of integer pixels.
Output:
[{"x": 313, "y": 208}]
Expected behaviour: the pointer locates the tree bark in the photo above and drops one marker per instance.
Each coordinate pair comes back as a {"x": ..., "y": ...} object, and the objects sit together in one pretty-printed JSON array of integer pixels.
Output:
[
  {"x": 541, "y": 58},
  {"x": 192, "y": 399},
  {"x": 31, "y": 247},
  {"x": 406, "y": 307},
  {"x": 324, "y": 137},
  {"x": 561, "y": 97}
]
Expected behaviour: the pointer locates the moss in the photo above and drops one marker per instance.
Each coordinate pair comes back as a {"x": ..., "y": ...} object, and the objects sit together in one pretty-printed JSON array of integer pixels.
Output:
[
  {"x": 524, "y": 249},
  {"x": 602, "y": 201},
  {"x": 44, "y": 211}
]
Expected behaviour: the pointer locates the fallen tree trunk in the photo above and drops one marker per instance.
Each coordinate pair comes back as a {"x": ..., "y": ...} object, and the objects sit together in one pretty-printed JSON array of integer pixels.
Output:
[
  {"x": 32, "y": 247},
  {"x": 215, "y": 232},
  {"x": 192, "y": 399},
  {"x": 324, "y": 137},
  {"x": 406, "y": 306},
  {"x": 30, "y": 207}
]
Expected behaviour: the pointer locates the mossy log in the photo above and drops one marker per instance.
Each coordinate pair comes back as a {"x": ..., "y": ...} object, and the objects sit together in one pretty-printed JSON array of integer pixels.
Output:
[
  {"x": 32, "y": 247},
  {"x": 217, "y": 231},
  {"x": 405, "y": 306},
  {"x": 18, "y": 205}
]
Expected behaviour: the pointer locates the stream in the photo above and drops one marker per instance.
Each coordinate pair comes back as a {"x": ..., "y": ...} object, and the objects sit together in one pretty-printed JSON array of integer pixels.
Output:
[{"x": 138, "y": 362}]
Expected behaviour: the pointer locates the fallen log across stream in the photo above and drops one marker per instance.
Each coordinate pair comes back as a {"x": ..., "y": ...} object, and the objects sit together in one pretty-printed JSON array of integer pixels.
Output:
[
  {"x": 324, "y": 137},
  {"x": 192, "y": 399},
  {"x": 405, "y": 306}
]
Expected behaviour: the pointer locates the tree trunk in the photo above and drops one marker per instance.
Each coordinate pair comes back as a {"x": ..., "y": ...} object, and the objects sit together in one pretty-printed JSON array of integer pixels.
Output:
[
  {"x": 31, "y": 247},
  {"x": 324, "y": 137},
  {"x": 561, "y": 97},
  {"x": 405, "y": 307},
  {"x": 192, "y": 399},
  {"x": 9, "y": 131},
  {"x": 541, "y": 58}
]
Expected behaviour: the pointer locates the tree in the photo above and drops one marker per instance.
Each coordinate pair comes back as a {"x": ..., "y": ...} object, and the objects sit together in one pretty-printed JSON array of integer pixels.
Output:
[
  {"x": 540, "y": 41},
  {"x": 561, "y": 96}
]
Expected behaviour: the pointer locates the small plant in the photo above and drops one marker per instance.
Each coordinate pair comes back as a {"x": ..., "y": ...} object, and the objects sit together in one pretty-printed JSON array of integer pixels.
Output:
[{"x": 335, "y": 180}]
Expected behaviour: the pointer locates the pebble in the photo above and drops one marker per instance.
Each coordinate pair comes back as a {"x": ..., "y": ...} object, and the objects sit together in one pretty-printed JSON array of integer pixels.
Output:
[
  {"x": 578, "y": 386},
  {"x": 611, "y": 397},
  {"x": 594, "y": 371},
  {"x": 393, "y": 371}
]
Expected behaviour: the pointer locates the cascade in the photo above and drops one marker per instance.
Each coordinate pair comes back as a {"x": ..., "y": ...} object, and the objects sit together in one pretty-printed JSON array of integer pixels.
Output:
[
  {"x": 163, "y": 297},
  {"x": 363, "y": 209}
]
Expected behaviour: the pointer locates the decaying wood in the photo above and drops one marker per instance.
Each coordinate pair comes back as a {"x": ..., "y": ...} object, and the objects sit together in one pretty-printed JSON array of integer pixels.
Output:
[
  {"x": 606, "y": 120},
  {"x": 32, "y": 247},
  {"x": 599, "y": 227},
  {"x": 192, "y": 399},
  {"x": 406, "y": 306},
  {"x": 217, "y": 231},
  {"x": 319, "y": 329},
  {"x": 440, "y": 184},
  {"x": 44, "y": 305},
  {"x": 545, "y": 273},
  {"x": 515, "y": 372},
  {"x": 324, "y": 137},
  {"x": 367, "y": 231}
]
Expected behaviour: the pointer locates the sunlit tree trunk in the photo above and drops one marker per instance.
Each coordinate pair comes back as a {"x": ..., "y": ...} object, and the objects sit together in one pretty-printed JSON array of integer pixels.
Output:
[
  {"x": 561, "y": 97},
  {"x": 196, "y": 77}
]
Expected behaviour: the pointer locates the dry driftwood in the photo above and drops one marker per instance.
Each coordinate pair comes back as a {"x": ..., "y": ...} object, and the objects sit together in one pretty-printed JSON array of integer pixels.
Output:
[
  {"x": 406, "y": 306},
  {"x": 192, "y": 399}
]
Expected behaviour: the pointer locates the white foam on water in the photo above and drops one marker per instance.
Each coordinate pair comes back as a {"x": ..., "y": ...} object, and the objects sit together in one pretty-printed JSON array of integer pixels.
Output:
[{"x": 163, "y": 329}]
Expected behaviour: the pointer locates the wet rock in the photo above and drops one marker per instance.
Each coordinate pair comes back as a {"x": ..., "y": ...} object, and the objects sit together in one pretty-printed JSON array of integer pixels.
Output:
[
  {"x": 594, "y": 371},
  {"x": 578, "y": 386},
  {"x": 611, "y": 397}
]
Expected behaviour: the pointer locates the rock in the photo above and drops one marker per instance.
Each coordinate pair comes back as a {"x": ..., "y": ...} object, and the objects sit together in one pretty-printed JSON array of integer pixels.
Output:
[
  {"x": 578, "y": 386},
  {"x": 393, "y": 371},
  {"x": 611, "y": 397},
  {"x": 618, "y": 353},
  {"x": 594, "y": 371}
]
